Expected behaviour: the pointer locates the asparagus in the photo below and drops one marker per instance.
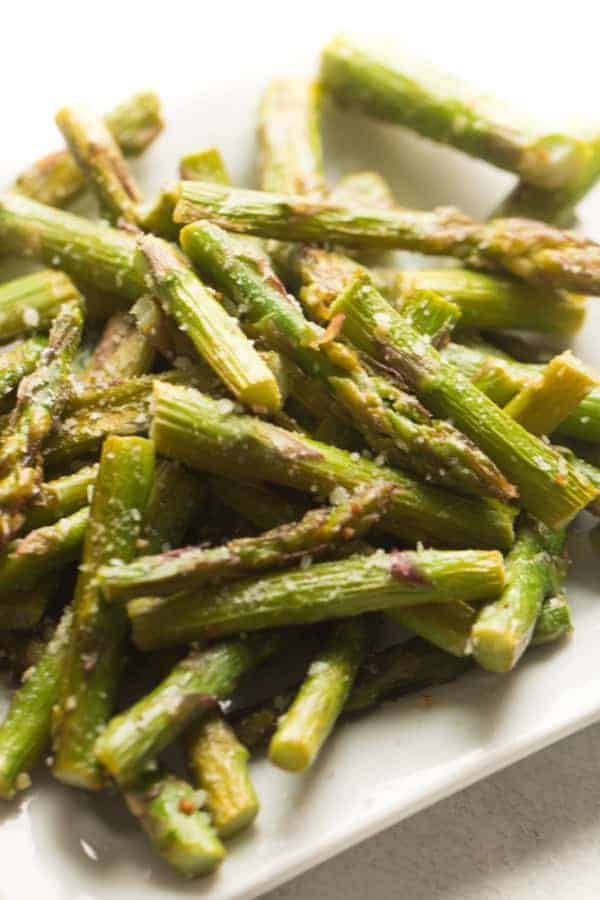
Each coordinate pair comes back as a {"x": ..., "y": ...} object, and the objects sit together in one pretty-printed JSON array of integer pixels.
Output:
[
  {"x": 25, "y": 730},
  {"x": 32, "y": 302},
  {"x": 258, "y": 504},
  {"x": 19, "y": 360},
  {"x": 504, "y": 628},
  {"x": 550, "y": 488},
  {"x": 393, "y": 87},
  {"x": 123, "y": 351},
  {"x": 539, "y": 253},
  {"x": 494, "y": 301},
  {"x": 105, "y": 257},
  {"x": 179, "y": 830},
  {"x": 25, "y": 561},
  {"x": 219, "y": 763},
  {"x": 61, "y": 497},
  {"x": 304, "y": 728},
  {"x": 323, "y": 591},
  {"x": 554, "y": 621},
  {"x": 545, "y": 403},
  {"x": 194, "y": 686},
  {"x": 190, "y": 567},
  {"x": 557, "y": 206},
  {"x": 291, "y": 156},
  {"x": 389, "y": 418},
  {"x": 216, "y": 335},
  {"x": 96, "y": 648},
  {"x": 445, "y": 625},
  {"x": 501, "y": 377},
  {"x": 98, "y": 156},
  {"x": 57, "y": 180},
  {"x": 40, "y": 400},
  {"x": 176, "y": 497},
  {"x": 207, "y": 165},
  {"x": 191, "y": 427},
  {"x": 204, "y": 165}
]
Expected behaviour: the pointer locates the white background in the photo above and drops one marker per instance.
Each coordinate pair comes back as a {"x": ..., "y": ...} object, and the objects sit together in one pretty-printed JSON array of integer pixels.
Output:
[{"x": 532, "y": 831}]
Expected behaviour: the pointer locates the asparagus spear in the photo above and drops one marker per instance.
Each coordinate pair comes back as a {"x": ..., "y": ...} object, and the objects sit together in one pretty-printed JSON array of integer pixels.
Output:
[
  {"x": 177, "y": 496},
  {"x": 495, "y": 301},
  {"x": 61, "y": 497},
  {"x": 98, "y": 156},
  {"x": 32, "y": 302},
  {"x": 207, "y": 165},
  {"x": 191, "y": 567},
  {"x": 305, "y": 727},
  {"x": 123, "y": 351},
  {"x": 19, "y": 360},
  {"x": 96, "y": 649},
  {"x": 106, "y": 257},
  {"x": 543, "y": 404},
  {"x": 549, "y": 488},
  {"x": 262, "y": 506},
  {"x": 445, "y": 625},
  {"x": 534, "y": 251},
  {"x": 396, "y": 88},
  {"x": 40, "y": 400},
  {"x": 204, "y": 165},
  {"x": 219, "y": 763},
  {"x": 194, "y": 686},
  {"x": 57, "y": 180},
  {"x": 25, "y": 561},
  {"x": 24, "y": 609},
  {"x": 291, "y": 156},
  {"x": 557, "y": 205},
  {"x": 216, "y": 335},
  {"x": 504, "y": 628},
  {"x": 501, "y": 377},
  {"x": 389, "y": 418},
  {"x": 323, "y": 591},
  {"x": 554, "y": 621},
  {"x": 191, "y": 427},
  {"x": 25, "y": 730},
  {"x": 179, "y": 830}
]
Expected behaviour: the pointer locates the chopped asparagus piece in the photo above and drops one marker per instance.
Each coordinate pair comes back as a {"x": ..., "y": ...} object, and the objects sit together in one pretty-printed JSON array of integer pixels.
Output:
[
  {"x": 204, "y": 165},
  {"x": 495, "y": 301},
  {"x": 96, "y": 649},
  {"x": 190, "y": 567},
  {"x": 41, "y": 398},
  {"x": 323, "y": 591},
  {"x": 123, "y": 351},
  {"x": 24, "y": 609},
  {"x": 191, "y": 427},
  {"x": 306, "y": 725},
  {"x": 504, "y": 628},
  {"x": 397, "y": 88},
  {"x": 554, "y": 621},
  {"x": 61, "y": 497},
  {"x": 57, "y": 180},
  {"x": 534, "y": 251},
  {"x": 97, "y": 154},
  {"x": 219, "y": 763},
  {"x": 260, "y": 505},
  {"x": 549, "y": 487},
  {"x": 179, "y": 830},
  {"x": 216, "y": 335},
  {"x": 546, "y": 402},
  {"x": 25, "y": 732},
  {"x": 194, "y": 686},
  {"x": 32, "y": 301},
  {"x": 291, "y": 156},
  {"x": 445, "y": 625}
]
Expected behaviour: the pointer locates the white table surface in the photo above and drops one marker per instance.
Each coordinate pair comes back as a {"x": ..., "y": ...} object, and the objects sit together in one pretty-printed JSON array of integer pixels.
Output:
[{"x": 531, "y": 832}]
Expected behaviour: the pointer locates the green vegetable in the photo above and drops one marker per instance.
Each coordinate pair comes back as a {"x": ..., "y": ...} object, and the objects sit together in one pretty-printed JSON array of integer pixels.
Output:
[
  {"x": 18, "y": 360},
  {"x": 32, "y": 301},
  {"x": 61, "y": 497},
  {"x": 123, "y": 351},
  {"x": 322, "y": 591},
  {"x": 96, "y": 648}
]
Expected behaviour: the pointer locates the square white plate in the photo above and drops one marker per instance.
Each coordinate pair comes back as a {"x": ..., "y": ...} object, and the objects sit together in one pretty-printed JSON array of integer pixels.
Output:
[{"x": 210, "y": 66}]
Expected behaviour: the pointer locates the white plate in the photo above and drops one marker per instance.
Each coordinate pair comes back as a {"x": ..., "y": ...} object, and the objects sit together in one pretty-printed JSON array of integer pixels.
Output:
[{"x": 210, "y": 69}]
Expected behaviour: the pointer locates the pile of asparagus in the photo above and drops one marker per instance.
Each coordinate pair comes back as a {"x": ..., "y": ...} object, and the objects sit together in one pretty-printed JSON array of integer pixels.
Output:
[{"x": 235, "y": 430}]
